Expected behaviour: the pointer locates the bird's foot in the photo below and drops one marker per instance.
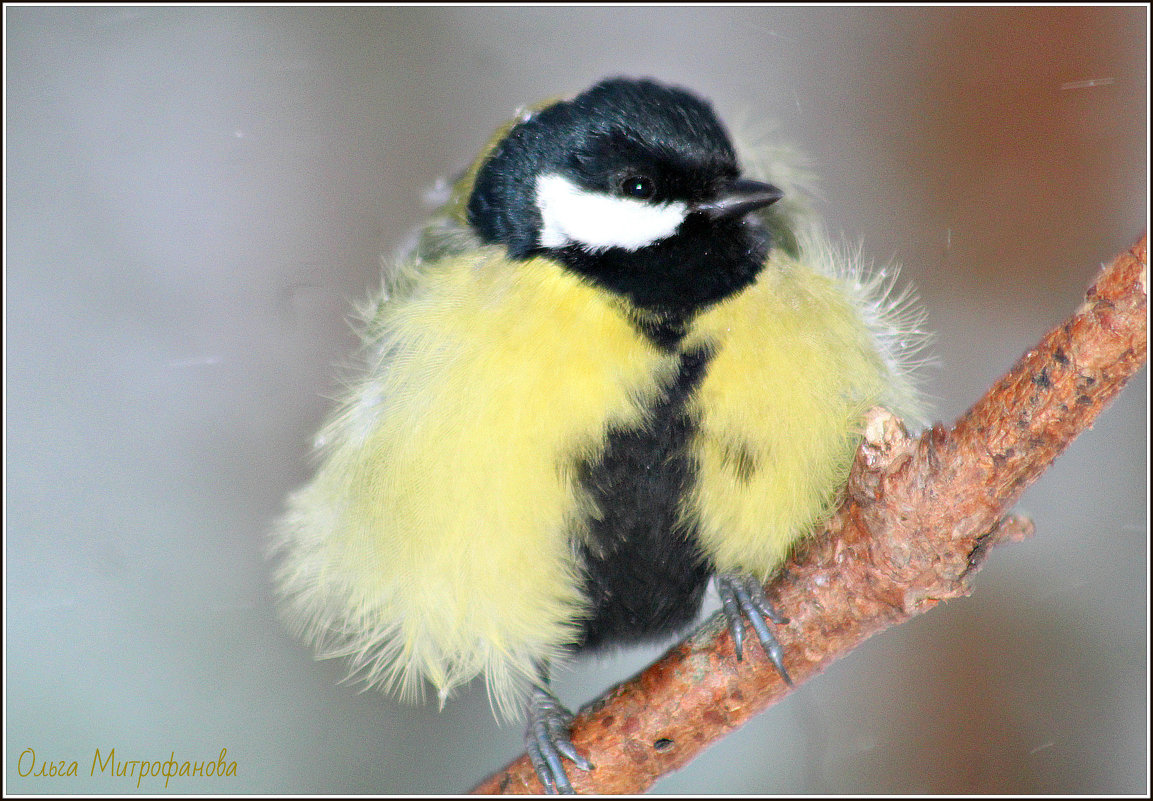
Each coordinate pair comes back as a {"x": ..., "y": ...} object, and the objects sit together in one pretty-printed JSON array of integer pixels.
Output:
[
  {"x": 547, "y": 739},
  {"x": 743, "y": 597}
]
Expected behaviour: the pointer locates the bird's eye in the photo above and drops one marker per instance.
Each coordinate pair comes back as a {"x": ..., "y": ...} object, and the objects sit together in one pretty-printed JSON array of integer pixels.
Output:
[{"x": 639, "y": 186}]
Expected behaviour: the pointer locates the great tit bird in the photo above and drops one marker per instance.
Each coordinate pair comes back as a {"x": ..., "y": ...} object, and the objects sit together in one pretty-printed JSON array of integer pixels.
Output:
[{"x": 610, "y": 371}]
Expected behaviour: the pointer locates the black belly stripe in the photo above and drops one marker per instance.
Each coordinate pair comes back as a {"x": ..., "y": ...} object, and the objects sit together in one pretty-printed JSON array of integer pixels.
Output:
[{"x": 645, "y": 573}]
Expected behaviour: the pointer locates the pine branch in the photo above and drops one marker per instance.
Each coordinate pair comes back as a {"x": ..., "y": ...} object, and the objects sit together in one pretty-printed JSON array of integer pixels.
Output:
[{"x": 919, "y": 518}]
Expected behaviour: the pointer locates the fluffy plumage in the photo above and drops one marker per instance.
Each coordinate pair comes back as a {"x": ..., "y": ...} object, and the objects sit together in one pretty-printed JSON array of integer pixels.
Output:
[{"x": 555, "y": 442}]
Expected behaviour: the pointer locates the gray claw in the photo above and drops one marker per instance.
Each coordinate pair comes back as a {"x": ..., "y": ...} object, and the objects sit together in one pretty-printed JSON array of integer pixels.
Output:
[
  {"x": 732, "y": 615},
  {"x": 547, "y": 739},
  {"x": 743, "y": 597}
]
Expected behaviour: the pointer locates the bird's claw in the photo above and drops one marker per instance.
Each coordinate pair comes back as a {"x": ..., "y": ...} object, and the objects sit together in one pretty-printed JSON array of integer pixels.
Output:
[
  {"x": 547, "y": 739},
  {"x": 743, "y": 597}
]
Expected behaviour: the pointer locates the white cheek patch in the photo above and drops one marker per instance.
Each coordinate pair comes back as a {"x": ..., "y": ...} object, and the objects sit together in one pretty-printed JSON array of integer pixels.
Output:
[{"x": 596, "y": 221}]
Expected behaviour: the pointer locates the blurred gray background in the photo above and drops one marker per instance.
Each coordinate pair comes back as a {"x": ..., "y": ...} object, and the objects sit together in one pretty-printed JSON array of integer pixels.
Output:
[{"x": 197, "y": 195}]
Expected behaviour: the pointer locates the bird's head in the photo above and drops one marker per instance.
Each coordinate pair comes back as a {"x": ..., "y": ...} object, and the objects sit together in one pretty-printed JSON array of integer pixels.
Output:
[{"x": 632, "y": 184}]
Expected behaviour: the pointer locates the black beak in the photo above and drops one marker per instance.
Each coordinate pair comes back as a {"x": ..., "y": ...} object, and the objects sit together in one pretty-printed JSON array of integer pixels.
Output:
[{"x": 739, "y": 198}]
